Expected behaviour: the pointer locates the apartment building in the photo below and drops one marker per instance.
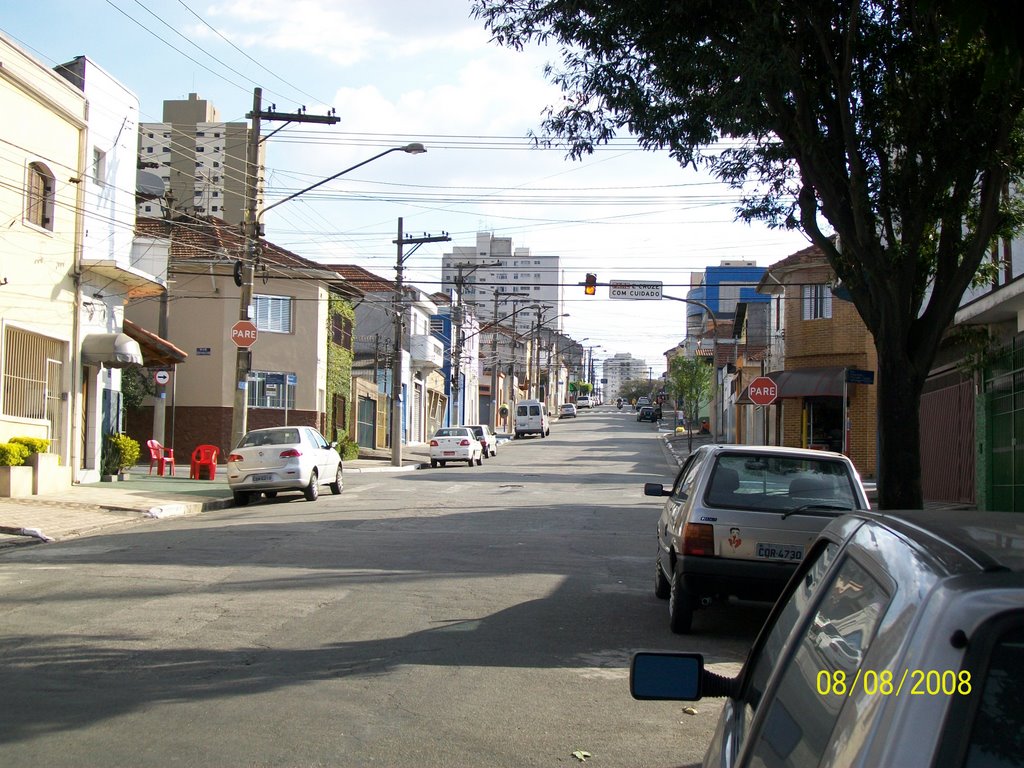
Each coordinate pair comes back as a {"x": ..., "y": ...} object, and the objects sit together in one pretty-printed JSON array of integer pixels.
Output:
[
  {"x": 201, "y": 160},
  {"x": 494, "y": 266},
  {"x": 620, "y": 368}
]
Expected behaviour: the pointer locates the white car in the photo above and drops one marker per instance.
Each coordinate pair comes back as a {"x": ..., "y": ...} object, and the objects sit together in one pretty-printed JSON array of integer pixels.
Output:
[
  {"x": 283, "y": 459},
  {"x": 488, "y": 440},
  {"x": 584, "y": 401},
  {"x": 455, "y": 444}
]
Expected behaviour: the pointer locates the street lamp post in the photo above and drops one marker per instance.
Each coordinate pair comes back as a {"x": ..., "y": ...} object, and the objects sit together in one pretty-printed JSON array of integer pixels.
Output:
[
  {"x": 240, "y": 414},
  {"x": 714, "y": 355}
]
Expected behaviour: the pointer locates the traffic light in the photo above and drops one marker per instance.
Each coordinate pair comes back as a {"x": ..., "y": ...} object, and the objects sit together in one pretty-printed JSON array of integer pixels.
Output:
[{"x": 590, "y": 286}]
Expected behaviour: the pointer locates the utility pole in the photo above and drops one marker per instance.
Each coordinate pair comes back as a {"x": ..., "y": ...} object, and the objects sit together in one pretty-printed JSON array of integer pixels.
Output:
[
  {"x": 494, "y": 349},
  {"x": 251, "y": 230},
  {"x": 399, "y": 309},
  {"x": 457, "y": 318}
]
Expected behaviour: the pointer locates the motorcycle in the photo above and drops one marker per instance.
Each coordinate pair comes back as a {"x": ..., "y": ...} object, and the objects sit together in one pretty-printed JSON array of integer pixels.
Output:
[{"x": 619, "y": 403}]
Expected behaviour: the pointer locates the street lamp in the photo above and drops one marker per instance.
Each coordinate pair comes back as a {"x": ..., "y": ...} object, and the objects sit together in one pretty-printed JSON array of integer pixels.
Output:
[
  {"x": 240, "y": 410},
  {"x": 714, "y": 357}
]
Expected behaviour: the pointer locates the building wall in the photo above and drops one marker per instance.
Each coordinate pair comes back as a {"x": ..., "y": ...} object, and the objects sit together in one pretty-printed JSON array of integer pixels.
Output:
[
  {"x": 44, "y": 122},
  {"x": 842, "y": 340}
]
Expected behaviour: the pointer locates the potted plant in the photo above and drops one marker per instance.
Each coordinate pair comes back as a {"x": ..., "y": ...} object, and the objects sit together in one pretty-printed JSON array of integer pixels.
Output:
[
  {"x": 120, "y": 453},
  {"x": 15, "y": 477}
]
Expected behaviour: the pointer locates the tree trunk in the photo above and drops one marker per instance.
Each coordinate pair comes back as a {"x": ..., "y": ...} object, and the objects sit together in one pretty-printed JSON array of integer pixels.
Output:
[{"x": 899, "y": 432}]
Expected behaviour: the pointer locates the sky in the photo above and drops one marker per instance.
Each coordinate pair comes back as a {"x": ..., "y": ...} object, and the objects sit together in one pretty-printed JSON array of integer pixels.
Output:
[{"x": 401, "y": 71}]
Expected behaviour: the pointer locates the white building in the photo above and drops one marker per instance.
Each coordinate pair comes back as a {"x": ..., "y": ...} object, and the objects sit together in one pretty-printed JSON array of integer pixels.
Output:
[
  {"x": 493, "y": 266},
  {"x": 112, "y": 272},
  {"x": 201, "y": 159},
  {"x": 619, "y": 369}
]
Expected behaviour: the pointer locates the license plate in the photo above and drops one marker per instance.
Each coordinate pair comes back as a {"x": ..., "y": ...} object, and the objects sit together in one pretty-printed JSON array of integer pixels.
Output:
[
  {"x": 780, "y": 552},
  {"x": 262, "y": 478},
  {"x": 449, "y": 453}
]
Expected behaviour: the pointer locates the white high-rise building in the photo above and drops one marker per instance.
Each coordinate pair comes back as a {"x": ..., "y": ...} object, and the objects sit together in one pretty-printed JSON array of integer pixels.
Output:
[
  {"x": 619, "y": 369},
  {"x": 200, "y": 159},
  {"x": 492, "y": 265}
]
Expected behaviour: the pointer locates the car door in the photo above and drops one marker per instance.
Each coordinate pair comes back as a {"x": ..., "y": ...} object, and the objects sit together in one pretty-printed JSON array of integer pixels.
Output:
[
  {"x": 674, "y": 512},
  {"x": 321, "y": 450}
]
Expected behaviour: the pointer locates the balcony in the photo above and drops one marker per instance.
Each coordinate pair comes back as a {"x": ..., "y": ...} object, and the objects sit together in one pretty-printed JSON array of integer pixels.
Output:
[{"x": 426, "y": 351}]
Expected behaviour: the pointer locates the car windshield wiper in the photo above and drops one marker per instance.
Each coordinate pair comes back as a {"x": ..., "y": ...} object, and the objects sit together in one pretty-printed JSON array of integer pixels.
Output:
[{"x": 816, "y": 508}]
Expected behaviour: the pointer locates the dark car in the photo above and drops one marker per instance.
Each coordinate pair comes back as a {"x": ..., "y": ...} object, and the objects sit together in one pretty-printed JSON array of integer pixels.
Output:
[
  {"x": 646, "y": 413},
  {"x": 899, "y": 641}
]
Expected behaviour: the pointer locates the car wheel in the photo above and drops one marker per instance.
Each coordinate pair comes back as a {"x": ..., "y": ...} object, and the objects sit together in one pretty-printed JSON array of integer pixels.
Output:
[
  {"x": 270, "y": 494},
  {"x": 433, "y": 463},
  {"x": 680, "y": 605},
  {"x": 662, "y": 587},
  {"x": 312, "y": 491},
  {"x": 241, "y": 498},
  {"x": 339, "y": 483},
  {"x": 442, "y": 463},
  {"x": 518, "y": 435}
]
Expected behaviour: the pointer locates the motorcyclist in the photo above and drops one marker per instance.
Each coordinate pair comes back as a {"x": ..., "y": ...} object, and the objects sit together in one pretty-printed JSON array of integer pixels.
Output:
[{"x": 618, "y": 402}]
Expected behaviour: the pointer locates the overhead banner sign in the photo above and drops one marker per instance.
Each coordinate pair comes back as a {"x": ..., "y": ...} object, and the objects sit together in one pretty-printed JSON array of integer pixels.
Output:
[{"x": 634, "y": 289}]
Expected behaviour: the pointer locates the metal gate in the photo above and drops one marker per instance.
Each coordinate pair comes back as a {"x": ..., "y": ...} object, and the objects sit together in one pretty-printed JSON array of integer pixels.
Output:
[
  {"x": 366, "y": 422},
  {"x": 947, "y": 442},
  {"x": 1004, "y": 415}
]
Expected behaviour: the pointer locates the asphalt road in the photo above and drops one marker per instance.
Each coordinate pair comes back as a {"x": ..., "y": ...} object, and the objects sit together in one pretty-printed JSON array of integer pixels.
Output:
[{"x": 465, "y": 616}]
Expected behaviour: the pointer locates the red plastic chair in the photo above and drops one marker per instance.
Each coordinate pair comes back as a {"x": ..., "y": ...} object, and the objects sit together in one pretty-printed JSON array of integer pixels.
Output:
[
  {"x": 160, "y": 458},
  {"x": 204, "y": 456}
]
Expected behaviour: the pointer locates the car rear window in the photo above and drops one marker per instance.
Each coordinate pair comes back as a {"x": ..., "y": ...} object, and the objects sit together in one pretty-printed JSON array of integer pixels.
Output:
[
  {"x": 271, "y": 437},
  {"x": 773, "y": 483}
]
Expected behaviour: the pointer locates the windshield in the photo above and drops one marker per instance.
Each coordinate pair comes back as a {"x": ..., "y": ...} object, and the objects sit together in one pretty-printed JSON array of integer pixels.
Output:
[{"x": 773, "y": 483}]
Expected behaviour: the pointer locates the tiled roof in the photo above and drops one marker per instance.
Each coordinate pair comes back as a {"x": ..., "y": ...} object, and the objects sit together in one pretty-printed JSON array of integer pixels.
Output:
[
  {"x": 207, "y": 238},
  {"x": 362, "y": 278}
]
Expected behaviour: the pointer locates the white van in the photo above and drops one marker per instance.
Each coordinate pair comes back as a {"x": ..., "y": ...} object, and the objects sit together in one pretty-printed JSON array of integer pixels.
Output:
[{"x": 532, "y": 418}]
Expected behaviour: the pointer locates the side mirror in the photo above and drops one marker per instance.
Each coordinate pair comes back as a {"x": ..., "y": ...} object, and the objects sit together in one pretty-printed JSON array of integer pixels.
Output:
[
  {"x": 655, "y": 489},
  {"x": 676, "y": 677},
  {"x": 666, "y": 676}
]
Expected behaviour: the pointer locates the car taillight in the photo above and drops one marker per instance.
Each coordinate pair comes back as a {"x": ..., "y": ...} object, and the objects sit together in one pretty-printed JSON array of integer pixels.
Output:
[
  {"x": 434, "y": 443},
  {"x": 699, "y": 539},
  {"x": 291, "y": 453},
  {"x": 464, "y": 442},
  {"x": 235, "y": 457}
]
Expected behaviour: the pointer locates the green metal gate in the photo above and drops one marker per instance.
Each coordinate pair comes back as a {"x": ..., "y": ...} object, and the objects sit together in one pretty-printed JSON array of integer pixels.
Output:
[{"x": 1004, "y": 441}]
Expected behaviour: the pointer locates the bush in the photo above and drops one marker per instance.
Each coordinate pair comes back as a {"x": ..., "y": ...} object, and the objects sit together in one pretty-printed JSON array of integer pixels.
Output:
[
  {"x": 349, "y": 450},
  {"x": 33, "y": 444},
  {"x": 119, "y": 453},
  {"x": 13, "y": 454}
]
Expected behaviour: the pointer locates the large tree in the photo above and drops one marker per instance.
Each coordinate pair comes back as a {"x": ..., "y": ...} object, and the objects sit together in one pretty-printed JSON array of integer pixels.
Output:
[{"x": 894, "y": 125}]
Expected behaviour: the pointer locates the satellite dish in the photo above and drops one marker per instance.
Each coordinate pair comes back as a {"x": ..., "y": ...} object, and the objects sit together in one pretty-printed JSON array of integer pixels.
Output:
[{"x": 148, "y": 186}]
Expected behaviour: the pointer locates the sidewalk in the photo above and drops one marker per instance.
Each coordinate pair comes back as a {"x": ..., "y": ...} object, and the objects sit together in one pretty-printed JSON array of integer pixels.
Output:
[{"x": 82, "y": 510}]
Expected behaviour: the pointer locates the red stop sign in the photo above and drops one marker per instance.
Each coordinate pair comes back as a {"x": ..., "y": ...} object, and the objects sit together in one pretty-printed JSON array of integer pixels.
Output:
[
  {"x": 243, "y": 333},
  {"x": 763, "y": 391}
]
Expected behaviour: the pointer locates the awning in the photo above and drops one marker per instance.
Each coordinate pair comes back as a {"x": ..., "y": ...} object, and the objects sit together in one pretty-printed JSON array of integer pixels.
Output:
[
  {"x": 805, "y": 382},
  {"x": 114, "y": 350}
]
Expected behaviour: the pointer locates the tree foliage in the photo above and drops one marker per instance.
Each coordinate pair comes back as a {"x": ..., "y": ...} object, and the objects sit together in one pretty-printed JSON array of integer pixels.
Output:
[
  {"x": 690, "y": 385},
  {"x": 633, "y": 388},
  {"x": 893, "y": 124}
]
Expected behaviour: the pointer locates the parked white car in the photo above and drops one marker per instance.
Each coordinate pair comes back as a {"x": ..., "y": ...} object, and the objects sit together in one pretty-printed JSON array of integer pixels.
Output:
[
  {"x": 488, "y": 440},
  {"x": 584, "y": 401},
  {"x": 283, "y": 459},
  {"x": 455, "y": 444}
]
